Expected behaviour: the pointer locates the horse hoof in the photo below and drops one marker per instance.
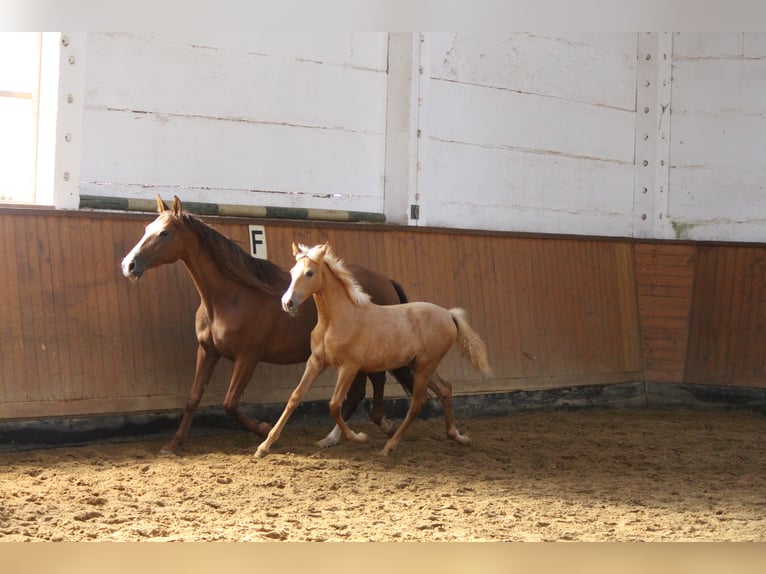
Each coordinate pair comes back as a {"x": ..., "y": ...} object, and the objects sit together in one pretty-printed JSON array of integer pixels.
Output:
[
  {"x": 388, "y": 427},
  {"x": 461, "y": 439},
  {"x": 261, "y": 452},
  {"x": 168, "y": 451},
  {"x": 359, "y": 437},
  {"x": 326, "y": 442}
]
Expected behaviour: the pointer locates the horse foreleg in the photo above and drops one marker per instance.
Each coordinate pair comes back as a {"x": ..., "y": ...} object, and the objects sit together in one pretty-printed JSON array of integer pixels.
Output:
[
  {"x": 206, "y": 362},
  {"x": 314, "y": 368},
  {"x": 243, "y": 370},
  {"x": 345, "y": 378},
  {"x": 419, "y": 396},
  {"x": 443, "y": 390},
  {"x": 353, "y": 398}
]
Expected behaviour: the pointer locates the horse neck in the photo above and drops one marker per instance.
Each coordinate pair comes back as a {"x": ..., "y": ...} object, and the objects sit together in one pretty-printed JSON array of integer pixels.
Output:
[
  {"x": 213, "y": 287},
  {"x": 332, "y": 301}
]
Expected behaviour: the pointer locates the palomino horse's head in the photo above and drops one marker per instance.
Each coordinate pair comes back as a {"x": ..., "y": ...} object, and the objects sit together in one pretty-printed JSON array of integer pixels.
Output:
[
  {"x": 161, "y": 242},
  {"x": 305, "y": 276}
]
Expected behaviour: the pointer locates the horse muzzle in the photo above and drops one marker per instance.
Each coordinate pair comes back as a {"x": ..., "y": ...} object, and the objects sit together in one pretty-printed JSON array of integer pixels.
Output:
[
  {"x": 132, "y": 268},
  {"x": 290, "y": 304}
]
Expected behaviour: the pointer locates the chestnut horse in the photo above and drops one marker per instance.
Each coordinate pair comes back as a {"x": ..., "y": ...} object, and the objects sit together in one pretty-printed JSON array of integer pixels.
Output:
[
  {"x": 240, "y": 315},
  {"x": 354, "y": 334}
]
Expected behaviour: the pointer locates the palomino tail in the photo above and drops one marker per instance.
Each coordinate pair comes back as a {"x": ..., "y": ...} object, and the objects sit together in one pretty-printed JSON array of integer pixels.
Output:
[{"x": 471, "y": 345}]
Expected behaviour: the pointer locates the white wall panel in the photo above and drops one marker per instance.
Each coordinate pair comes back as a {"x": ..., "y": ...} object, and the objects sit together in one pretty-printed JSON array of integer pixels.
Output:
[
  {"x": 354, "y": 49},
  {"x": 718, "y": 137},
  {"x": 719, "y": 87},
  {"x": 189, "y": 80},
  {"x": 705, "y": 44},
  {"x": 202, "y": 159},
  {"x": 265, "y": 119},
  {"x": 516, "y": 191},
  {"x": 501, "y": 118},
  {"x": 529, "y": 133},
  {"x": 592, "y": 68},
  {"x": 754, "y": 44}
]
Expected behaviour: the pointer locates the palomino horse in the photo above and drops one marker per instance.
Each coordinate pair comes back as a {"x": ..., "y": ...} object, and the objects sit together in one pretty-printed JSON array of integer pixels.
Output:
[
  {"x": 354, "y": 334},
  {"x": 240, "y": 315}
]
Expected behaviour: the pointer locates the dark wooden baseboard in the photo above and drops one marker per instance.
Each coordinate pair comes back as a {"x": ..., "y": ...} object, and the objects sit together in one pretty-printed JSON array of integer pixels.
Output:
[{"x": 52, "y": 432}]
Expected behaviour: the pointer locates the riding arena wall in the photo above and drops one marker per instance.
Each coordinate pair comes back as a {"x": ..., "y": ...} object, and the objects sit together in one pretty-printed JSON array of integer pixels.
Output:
[
  {"x": 594, "y": 201},
  {"x": 557, "y": 312}
]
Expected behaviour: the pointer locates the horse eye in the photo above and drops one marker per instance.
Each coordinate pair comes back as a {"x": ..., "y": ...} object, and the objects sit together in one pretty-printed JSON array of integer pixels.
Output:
[
  {"x": 310, "y": 273},
  {"x": 164, "y": 233}
]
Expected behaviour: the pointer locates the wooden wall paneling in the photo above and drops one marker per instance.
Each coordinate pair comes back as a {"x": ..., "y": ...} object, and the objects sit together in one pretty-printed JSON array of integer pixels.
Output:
[
  {"x": 707, "y": 345},
  {"x": 75, "y": 304},
  {"x": 554, "y": 311},
  {"x": 749, "y": 338},
  {"x": 63, "y": 328},
  {"x": 455, "y": 277},
  {"x": 526, "y": 289},
  {"x": 107, "y": 330},
  {"x": 665, "y": 278},
  {"x": 736, "y": 341},
  {"x": 755, "y": 355},
  {"x": 90, "y": 346},
  {"x": 401, "y": 271},
  {"x": 621, "y": 308},
  {"x": 12, "y": 357},
  {"x": 379, "y": 254},
  {"x": 32, "y": 320},
  {"x": 582, "y": 279},
  {"x": 553, "y": 331},
  {"x": 496, "y": 313},
  {"x": 122, "y": 241},
  {"x": 726, "y": 339},
  {"x": 517, "y": 355},
  {"x": 52, "y": 386},
  {"x": 488, "y": 306},
  {"x": 628, "y": 310},
  {"x": 588, "y": 279}
]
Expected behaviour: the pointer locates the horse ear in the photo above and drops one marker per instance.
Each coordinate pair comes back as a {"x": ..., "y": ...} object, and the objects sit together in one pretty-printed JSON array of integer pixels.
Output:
[
  {"x": 296, "y": 250},
  {"x": 324, "y": 248},
  {"x": 161, "y": 205},
  {"x": 177, "y": 209}
]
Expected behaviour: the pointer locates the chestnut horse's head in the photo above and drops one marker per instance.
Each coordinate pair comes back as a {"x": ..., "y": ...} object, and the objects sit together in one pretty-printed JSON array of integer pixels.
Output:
[{"x": 162, "y": 241}]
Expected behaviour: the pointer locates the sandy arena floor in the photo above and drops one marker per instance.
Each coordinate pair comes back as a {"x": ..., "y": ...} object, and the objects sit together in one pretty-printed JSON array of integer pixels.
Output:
[{"x": 587, "y": 475}]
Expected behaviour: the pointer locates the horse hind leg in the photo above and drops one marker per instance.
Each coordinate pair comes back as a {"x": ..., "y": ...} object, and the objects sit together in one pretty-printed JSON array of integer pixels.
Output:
[
  {"x": 419, "y": 396},
  {"x": 354, "y": 396},
  {"x": 443, "y": 390},
  {"x": 243, "y": 370},
  {"x": 346, "y": 375}
]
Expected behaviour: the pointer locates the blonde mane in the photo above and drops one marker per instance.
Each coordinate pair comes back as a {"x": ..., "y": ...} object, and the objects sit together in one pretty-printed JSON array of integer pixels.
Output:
[{"x": 355, "y": 292}]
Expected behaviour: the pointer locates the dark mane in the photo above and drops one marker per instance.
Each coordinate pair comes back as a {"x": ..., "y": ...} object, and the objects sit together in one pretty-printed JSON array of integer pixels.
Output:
[{"x": 235, "y": 263}]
